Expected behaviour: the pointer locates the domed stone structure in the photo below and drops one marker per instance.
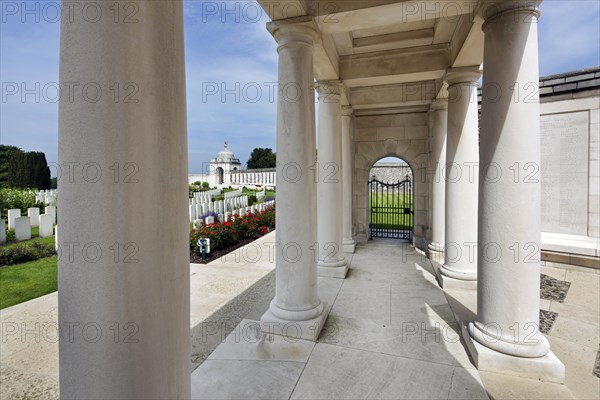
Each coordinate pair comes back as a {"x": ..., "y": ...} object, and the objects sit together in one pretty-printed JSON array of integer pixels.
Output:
[{"x": 224, "y": 163}]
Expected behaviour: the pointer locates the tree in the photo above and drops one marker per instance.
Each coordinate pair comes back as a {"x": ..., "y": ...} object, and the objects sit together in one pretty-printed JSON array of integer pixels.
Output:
[
  {"x": 29, "y": 170},
  {"x": 261, "y": 158},
  {"x": 6, "y": 152}
]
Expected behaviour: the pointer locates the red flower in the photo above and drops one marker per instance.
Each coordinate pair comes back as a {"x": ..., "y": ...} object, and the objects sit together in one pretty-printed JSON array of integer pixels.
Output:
[{"x": 213, "y": 232}]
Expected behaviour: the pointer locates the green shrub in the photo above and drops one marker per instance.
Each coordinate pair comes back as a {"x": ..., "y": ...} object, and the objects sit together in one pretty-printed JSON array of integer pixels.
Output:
[
  {"x": 252, "y": 199},
  {"x": 17, "y": 198},
  {"x": 19, "y": 254},
  {"x": 205, "y": 185}
]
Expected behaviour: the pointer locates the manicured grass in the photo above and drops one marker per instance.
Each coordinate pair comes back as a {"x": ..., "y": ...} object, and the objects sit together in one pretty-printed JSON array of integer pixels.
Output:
[
  {"x": 385, "y": 211},
  {"x": 22, "y": 282},
  {"x": 34, "y": 239}
]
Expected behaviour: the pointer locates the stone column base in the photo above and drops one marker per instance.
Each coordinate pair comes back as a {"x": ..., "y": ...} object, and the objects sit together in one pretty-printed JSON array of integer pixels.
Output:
[
  {"x": 446, "y": 282},
  {"x": 308, "y": 329},
  {"x": 547, "y": 368},
  {"x": 435, "y": 255},
  {"x": 348, "y": 246},
  {"x": 332, "y": 272}
]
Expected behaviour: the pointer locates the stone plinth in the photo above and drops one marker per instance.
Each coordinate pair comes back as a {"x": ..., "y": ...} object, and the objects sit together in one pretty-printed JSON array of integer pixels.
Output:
[{"x": 547, "y": 368}]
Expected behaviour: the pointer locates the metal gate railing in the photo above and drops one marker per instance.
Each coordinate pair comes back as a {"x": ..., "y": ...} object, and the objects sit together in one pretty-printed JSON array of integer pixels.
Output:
[{"x": 390, "y": 209}]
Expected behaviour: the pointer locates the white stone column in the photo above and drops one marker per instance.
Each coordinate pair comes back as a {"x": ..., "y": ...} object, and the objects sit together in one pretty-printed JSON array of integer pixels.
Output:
[
  {"x": 461, "y": 173},
  {"x": 296, "y": 301},
  {"x": 506, "y": 330},
  {"x": 439, "y": 125},
  {"x": 348, "y": 242},
  {"x": 123, "y": 303},
  {"x": 329, "y": 188}
]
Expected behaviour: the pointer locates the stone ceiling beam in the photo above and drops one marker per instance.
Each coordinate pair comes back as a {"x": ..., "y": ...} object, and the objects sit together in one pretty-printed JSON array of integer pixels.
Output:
[
  {"x": 421, "y": 37},
  {"x": 395, "y": 66},
  {"x": 339, "y": 16},
  {"x": 411, "y": 94}
]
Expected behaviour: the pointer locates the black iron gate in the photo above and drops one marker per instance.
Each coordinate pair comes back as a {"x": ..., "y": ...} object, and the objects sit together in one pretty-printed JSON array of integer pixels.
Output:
[{"x": 390, "y": 209}]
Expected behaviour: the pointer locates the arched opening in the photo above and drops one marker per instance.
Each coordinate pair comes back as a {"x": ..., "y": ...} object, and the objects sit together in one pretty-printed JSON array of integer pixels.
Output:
[
  {"x": 390, "y": 200},
  {"x": 219, "y": 175}
]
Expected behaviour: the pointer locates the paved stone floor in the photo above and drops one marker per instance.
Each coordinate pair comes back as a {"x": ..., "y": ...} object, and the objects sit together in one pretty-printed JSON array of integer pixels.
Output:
[{"x": 391, "y": 333}]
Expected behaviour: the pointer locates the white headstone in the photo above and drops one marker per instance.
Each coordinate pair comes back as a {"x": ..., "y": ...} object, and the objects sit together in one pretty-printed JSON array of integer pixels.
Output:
[
  {"x": 209, "y": 220},
  {"x": 12, "y": 214},
  {"x": 227, "y": 216},
  {"x": 192, "y": 213},
  {"x": 22, "y": 229},
  {"x": 2, "y": 231},
  {"x": 52, "y": 211},
  {"x": 46, "y": 222},
  {"x": 242, "y": 212},
  {"x": 34, "y": 216},
  {"x": 253, "y": 209}
]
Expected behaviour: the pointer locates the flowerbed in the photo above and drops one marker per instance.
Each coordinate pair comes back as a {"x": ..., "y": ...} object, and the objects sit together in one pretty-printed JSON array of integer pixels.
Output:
[{"x": 223, "y": 235}]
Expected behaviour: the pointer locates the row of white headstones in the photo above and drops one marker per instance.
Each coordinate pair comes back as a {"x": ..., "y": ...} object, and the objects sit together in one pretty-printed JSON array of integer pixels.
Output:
[
  {"x": 201, "y": 207},
  {"x": 47, "y": 197},
  {"x": 227, "y": 216},
  {"x": 22, "y": 224}
]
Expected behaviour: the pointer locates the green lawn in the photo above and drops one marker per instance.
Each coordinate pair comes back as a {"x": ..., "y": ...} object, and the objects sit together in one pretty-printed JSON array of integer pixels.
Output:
[
  {"x": 384, "y": 211},
  {"x": 22, "y": 282},
  {"x": 34, "y": 239}
]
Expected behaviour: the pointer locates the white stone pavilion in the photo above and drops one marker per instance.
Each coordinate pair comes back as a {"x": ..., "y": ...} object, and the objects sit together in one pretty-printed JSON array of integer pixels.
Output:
[{"x": 393, "y": 78}]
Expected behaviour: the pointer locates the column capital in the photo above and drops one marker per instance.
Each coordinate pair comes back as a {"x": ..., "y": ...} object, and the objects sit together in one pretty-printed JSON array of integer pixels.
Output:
[
  {"x": 462, "y": 76},
  {"x": 299, "y": 31},
  {"x": 329, "y": 88},
  {"x": 491, "y": 10},
  {"x": 347, "y": 111},
  {"x": 439, "y": 104}
]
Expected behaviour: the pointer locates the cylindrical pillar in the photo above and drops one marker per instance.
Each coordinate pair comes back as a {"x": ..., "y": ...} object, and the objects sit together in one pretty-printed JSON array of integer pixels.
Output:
[
  {"x": 439, "y": 124},
  {"x": 296, "y": 297},
  {"x": 509, "y": 195},
  {"x": 329, "y": 188},
  {"x": 348, "y": 243},
  {"x": 124, "y": 273},
  {"x": 461, "y": 177}
]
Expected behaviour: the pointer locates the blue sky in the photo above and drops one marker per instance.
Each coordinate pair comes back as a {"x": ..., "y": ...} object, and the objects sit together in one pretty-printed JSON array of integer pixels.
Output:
[{"x": 225, "y": 53}]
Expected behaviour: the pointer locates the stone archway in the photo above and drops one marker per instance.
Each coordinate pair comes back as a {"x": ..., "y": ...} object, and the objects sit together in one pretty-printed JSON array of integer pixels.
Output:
[
  {"x": 390, "y": 200},
  {"x": 371, "y": 146},
  {"x": 219, "y": 175}
]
